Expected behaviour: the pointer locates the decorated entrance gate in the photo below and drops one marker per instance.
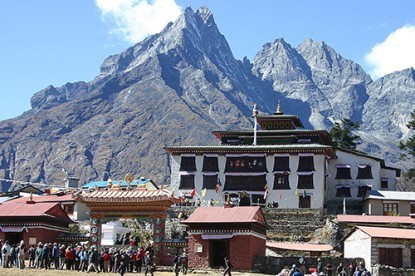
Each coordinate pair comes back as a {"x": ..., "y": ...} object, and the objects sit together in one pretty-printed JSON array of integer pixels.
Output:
[{"x": 128, "y": 203}]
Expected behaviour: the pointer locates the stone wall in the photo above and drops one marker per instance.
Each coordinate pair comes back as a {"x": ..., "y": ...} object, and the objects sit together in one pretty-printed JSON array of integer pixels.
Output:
[
  {"x": 383, "y": 270},
  {"x": 274, "y": 265},
  {"x": 293, "y": 224}
]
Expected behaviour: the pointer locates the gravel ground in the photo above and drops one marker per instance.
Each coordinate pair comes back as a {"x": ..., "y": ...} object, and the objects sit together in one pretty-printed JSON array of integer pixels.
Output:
[{"x": 52, "y": 272}]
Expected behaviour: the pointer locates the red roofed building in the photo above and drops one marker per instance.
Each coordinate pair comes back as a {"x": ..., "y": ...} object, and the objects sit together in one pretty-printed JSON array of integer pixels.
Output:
[
  {"x": 216, "y": 232},
  {"x": 382, "y": 245},
  {"x": 32, "y": 222},
  {"x": 300, "y": 248},
  {"x": 75, "y": 210}
]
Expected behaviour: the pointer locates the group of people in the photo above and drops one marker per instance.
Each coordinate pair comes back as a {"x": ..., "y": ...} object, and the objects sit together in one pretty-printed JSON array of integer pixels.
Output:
[
  {"x": 13, "y": 255},
  {"x": 78, "y": 257},
  {"x": 327, "y": 270}
]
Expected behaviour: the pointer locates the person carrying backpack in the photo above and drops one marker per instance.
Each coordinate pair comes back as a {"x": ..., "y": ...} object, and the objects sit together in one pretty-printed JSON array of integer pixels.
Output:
[{"x": 176, "y": 264}]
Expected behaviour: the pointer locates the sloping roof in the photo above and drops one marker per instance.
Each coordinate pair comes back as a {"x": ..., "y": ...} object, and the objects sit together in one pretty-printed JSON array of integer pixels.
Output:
[
  {"x": 300, "y": 246},
  {"x": 120, "y": 195},
  {"x": 219, "y": 214},
  {"x": 11, "y": 209},
  {"x": 375, "y": 219},
  {"x": 123, "y": 183},
  {"x": 390, "y": 233},
  {"x": 390, "y": 195},
  {"x": 45, "y": 198}
]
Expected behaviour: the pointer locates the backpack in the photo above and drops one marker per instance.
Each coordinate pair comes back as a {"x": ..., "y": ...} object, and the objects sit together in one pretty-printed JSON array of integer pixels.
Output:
[{"x": 4, "y": 250}]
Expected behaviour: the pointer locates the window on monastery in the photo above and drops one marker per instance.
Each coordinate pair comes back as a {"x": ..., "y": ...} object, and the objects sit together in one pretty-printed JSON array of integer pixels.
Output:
[
  {"x": 390, "y": 208},
  {"x": 210, "y": 181},
  {"x": 364, "y": 171},
  {"x": 246, "y": 164},
  {"x": 258, "y": 200},
  {"x": 187, "y": 182},
  {"x": 281, "y": 181},
  {"x": 244, "y": 183},
  {"x": 384, "y": 183},
  {"x": 281, "y": 163},
  {"x": 210, "y": 164},
  {"x": 305, "y": 181},
  {"x": 412, "y": 208},
  {"x": 361, "y": 190},
  {"x": 390, "y": 256},
  {"x": 68, "y": 208},
  {"x": 306, "y": 164},
  {"x": 343, "y": 171},
  {"x": 188, "y": 163},
  {"x": 343, "y": 191},
  {"x": 304, "y": 201}
]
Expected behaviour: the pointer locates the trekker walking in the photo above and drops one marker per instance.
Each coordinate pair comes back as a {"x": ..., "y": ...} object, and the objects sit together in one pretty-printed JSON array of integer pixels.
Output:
[
  {"x": 93, "y": 259},
  {"x": 228, "y": 266},
  {"x": 176, "y": 264}
]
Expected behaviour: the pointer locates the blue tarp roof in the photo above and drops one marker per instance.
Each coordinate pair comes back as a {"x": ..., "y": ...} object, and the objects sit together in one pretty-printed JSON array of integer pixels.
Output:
[{"x": 104, "y": 184}]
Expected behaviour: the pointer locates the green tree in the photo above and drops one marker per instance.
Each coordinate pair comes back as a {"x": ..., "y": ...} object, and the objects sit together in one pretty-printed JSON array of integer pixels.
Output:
[
  {"x": 408, "y": 146},
  {"x": 342, "y": 136}
]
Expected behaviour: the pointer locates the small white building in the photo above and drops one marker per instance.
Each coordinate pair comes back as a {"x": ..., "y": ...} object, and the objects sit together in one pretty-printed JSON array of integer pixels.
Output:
[
  {"x": 380, "y": 245},
  {"x": 386, "y": 203},
  {"x": 111, "y": 231}
]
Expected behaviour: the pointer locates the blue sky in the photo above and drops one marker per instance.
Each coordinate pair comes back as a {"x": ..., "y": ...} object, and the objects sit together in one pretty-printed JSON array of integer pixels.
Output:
[{"x": 52, "y": 42}]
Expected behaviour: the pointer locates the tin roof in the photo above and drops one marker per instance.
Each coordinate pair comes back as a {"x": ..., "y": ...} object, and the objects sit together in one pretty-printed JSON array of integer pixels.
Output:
[
  {"x": 45, "y": 198},
  {"x": 375, "y": 219},
  {"x": 219, "y": 214},
  {"x": 11, "y": 209},
  {"x": 390, "y": 233},
  {"x": 122, "y": 183},
  {"x": 390, "y": 195},
  {"x": 300, "y": 246}
]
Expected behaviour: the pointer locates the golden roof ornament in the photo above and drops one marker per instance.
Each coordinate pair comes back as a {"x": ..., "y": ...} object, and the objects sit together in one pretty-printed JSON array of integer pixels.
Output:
[
  {"x": 278, "y": 112},
  {"x": 129, "y": 178}
]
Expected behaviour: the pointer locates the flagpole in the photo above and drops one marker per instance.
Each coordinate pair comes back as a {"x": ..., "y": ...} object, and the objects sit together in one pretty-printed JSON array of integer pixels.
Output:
[{"x": 255, "y": 114}]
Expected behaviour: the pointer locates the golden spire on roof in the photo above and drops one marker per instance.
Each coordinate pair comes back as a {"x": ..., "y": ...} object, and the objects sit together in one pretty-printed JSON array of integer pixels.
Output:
[{"x": 278, "y": 112}]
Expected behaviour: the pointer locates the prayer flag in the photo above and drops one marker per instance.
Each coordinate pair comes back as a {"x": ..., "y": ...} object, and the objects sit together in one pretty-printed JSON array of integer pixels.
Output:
[
  {"x": 203, "y": 193},
  {"x": 305, "y": 193},
  {"x": 296, "y": 192},
  {"x": 193, "y": 192},
  {"x": 280, "y": 195},
  {"x": 266, "y": 194}
]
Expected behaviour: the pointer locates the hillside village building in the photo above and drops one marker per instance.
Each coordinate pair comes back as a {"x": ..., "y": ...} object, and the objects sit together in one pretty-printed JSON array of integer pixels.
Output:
[{"x": 280, "y": 165}]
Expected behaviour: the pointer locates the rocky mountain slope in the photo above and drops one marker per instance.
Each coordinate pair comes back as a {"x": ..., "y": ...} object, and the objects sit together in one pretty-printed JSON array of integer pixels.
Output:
[{"x": 175, "y": 87}]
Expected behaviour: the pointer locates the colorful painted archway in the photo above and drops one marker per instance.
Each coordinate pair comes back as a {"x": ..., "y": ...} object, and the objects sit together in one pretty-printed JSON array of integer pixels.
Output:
[{"x": 128, "y": 203}]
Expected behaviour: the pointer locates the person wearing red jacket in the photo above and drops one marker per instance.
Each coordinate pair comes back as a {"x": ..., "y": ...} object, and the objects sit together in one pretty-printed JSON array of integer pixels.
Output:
[
  {"x": 106, "y": 258},
  {"x": 70, "y": 258},
  {"x": 140, "y": 257}
]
